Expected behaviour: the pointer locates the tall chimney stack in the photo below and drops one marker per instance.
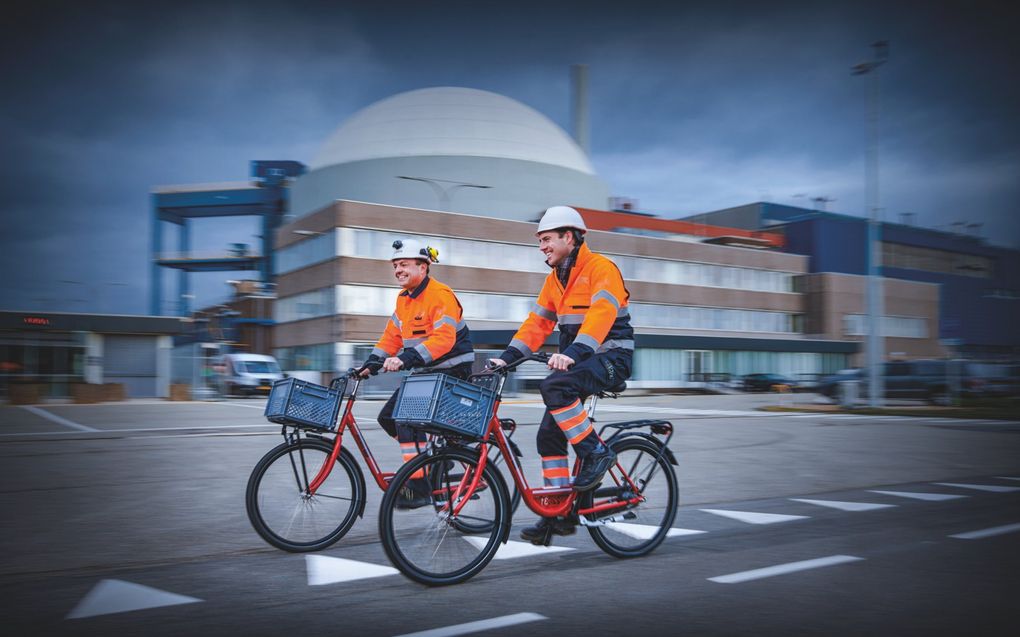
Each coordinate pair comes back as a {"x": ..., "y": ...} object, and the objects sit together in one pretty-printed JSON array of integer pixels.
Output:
[{"x": 579, "y": 106}]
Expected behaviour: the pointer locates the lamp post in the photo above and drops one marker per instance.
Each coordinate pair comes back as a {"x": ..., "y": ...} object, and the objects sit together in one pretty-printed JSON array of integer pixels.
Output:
[
  {"x": 874, "y": 296},
  {"x": 445, "y": 193}
]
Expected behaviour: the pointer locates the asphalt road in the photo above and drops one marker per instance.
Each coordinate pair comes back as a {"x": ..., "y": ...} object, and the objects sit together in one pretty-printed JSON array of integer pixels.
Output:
[{"x": 128, "y": 519}]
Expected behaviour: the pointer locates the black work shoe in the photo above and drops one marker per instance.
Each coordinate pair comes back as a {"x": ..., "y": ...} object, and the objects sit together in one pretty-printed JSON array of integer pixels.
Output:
[
  {"x": 540, "y": 533},
  {"x": 593, "y": 467},
  {"x": 415, "y": 495}
]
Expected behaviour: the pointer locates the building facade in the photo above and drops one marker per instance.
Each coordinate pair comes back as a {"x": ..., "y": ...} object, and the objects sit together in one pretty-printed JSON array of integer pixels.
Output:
[
  {"x": 58, "y": 349},
  {"x": 979, "y": 283},
  {"x": 698, "y": 309}
]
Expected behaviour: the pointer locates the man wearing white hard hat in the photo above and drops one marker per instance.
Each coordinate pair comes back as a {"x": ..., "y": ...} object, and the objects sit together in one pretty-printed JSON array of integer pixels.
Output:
[
  {"x": 585, "y": 295},
  {"x": 426, "y": 329}
]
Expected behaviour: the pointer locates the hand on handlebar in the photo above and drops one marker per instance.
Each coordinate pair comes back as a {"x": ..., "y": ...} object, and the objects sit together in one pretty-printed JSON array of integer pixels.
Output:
[
  {"x": 369, "y": 368},
  {"x": 495, "y": 363},
  {"x": 559, "y": 362}
]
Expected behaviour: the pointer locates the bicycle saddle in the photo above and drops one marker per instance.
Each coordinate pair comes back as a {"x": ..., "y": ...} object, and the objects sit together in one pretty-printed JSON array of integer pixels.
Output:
[{"x": 618, "y": 388}]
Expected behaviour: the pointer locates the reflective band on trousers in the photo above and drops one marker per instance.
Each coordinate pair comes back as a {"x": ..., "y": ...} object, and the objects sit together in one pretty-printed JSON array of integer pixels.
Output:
[
  {"x": 555, "y": 471},
  {"x": 573, "y": 421}
]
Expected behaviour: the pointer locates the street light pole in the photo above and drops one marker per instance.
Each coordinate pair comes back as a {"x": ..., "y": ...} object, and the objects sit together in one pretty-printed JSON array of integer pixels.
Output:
[
  {"x": 444, "y": 193},
  {"x": 875, "y": 343}
]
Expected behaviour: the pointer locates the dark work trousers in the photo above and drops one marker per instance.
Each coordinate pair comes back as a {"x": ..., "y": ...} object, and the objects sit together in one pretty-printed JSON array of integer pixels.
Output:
[
  {"x": 403, "y": 433},
  {"x": 563, "y": 389}
]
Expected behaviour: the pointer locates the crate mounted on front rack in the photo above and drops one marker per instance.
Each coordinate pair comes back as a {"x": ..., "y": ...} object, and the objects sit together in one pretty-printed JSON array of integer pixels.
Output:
[
  {"x": 443, "y": 403},
  {"x": 302, "y": 404}
]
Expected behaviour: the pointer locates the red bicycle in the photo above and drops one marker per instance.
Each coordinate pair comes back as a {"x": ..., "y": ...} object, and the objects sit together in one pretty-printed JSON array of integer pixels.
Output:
[
  {"x": 452, "y": 540},
  {"x": 307, "y": 492}
]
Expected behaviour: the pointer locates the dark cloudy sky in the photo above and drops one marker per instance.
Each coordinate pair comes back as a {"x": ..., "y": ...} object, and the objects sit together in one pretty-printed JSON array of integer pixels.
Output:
[{"x": 695, "y": 106}]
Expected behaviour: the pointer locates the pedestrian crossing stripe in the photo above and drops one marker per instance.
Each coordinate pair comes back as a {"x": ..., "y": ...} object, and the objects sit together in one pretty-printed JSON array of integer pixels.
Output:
[
  {"x": 993, "y": 488},
  {"x": 932, "y": 497},
  {"x": 322, "y": 569},
  {"x": 752, "y": 517},
  {"x": 845, "y": 506}
]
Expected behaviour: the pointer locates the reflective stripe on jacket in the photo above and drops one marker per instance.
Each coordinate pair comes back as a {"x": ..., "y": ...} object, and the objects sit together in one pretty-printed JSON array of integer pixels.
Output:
[
  {"x": 592, "y": 311},
  {"x": 428, "y": 325}
]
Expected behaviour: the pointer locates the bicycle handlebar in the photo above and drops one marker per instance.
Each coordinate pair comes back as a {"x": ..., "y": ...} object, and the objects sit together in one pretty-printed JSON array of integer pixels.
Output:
[{"x": 541, "y": 357}]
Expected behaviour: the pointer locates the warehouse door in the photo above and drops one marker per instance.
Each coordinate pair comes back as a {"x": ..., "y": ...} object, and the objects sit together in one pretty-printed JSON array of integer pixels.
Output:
[{"x": 131, "y": 360}]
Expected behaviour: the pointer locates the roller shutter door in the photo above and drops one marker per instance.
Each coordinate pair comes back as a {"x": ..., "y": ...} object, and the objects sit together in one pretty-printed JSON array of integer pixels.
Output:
[{"x": 131, "y": 360}]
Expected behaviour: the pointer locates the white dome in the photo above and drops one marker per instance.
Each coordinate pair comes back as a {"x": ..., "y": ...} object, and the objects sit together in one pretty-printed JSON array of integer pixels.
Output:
[{"x": 451, "y": 121}]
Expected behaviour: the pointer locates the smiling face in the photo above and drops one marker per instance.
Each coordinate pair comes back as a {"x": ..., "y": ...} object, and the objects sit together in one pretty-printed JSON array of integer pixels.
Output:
[
  {"x": 555, "y": 245},
  {"x": 409, "y": 273}
]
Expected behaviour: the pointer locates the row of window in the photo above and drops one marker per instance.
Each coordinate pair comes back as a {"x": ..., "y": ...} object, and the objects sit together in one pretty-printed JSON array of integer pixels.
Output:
[
  {"x": 376, "y": 244},
  {"x": 908, "y": 257},
  {"x": 379, "y": 301},
  {"x": 899, "y": 326}
]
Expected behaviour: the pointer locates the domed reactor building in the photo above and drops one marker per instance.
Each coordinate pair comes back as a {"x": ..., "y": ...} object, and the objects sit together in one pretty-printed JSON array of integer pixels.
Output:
[{"x": 451, "y": 149}]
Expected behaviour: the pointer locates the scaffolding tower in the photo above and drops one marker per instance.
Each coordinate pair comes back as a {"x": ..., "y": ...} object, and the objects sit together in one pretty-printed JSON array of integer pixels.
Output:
[{"x": 266, "y": 196}]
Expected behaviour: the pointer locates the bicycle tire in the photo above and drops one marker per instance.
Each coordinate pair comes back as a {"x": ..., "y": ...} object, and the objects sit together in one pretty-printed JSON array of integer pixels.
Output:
[
  {"x": 651, "y": 519},
  {"x": 429, "y": 546},
  {"x": 284, "y": 516}
]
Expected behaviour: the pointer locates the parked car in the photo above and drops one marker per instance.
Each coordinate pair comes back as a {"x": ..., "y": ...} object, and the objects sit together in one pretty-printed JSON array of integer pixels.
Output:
[
  {"x": 932, "y": 380},
  {"x": 767, "y": 382},
  {"x": 247, "y": 374}
]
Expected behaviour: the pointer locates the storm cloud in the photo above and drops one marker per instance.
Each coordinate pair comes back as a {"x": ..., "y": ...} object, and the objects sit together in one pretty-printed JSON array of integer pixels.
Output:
[{"x": 694, "y": 107}]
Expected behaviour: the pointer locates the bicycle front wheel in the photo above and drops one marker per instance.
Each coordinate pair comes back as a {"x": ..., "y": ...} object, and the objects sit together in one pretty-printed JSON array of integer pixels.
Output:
[
  {"x": 452, "y": 537},
  {"x": 645, "y": 525},
  {"x": 280, "y": 508}
]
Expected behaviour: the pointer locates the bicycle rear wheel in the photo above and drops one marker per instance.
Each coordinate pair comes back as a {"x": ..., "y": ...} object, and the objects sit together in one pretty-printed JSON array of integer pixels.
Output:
[
  {"x": 647, "y": 524},
  {"x": 438, "y": 544},
  {"x": 278, "y": 504}
]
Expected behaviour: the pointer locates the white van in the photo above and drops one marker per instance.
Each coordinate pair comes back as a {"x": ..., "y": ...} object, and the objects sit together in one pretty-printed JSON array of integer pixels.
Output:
[{"x": 247, "y": 374}]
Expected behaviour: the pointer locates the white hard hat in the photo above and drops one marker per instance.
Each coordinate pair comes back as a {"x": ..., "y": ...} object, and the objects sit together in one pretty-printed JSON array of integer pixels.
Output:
[
  {"x": 414, "y": 249},
  {"x": 561, "y": 217}
]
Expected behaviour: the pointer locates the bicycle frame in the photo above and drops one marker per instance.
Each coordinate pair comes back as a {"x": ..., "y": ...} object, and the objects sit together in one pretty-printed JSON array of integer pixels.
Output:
[
  {"x": 544, "y": 501},
  {"x": 348, "y": 422}
]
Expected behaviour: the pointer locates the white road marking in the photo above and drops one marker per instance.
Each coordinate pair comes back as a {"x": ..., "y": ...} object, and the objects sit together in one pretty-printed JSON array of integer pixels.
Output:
[
  {"x": 754, "y": 518},
  {"x": 117, "y": 596},
  {"x": 994, "y": 488},
  {"x": 330, "y": 570},
  {"x": 782, "y": 569},
  {"x": 845, "y": 506},
  {"x": 933, "y": 497},
  {"x": 512, "y": 550},
  {"x": 1007, "y": 478},
  {"x": 478, "y": 626},
  {"x": 57, "y": 419},
  {"x": 646, "y": 531},
  {"x": 140, "y": 429},
  {"x": 983, "y": 533}
]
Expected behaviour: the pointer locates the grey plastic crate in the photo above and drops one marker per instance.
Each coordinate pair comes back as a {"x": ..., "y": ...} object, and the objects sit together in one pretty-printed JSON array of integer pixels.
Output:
[
  {"x": 443, "y": 403},
  {"x": 302, "y": 404}
]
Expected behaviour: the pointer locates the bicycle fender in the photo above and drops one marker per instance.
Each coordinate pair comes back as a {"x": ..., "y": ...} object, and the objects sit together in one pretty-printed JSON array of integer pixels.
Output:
[{"x": 515, "y": 449}]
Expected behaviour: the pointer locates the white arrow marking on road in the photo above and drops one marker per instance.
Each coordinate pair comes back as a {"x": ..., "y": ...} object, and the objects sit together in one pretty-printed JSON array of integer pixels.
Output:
[
  {"x": 922, "y": 496},
  {"x": 846, "y": 506},
  {"x": 330, "y": 570},
  {"x": 478, "y": 626},
  {"x": 646, "y": 531},
  {"x": 512, "y": 550},
  {"x": 117, "y": 596},
  {"x": 754, "y": 518},
  {"x": 983, "y": 533},
  {"x": 994, "y": 488},
  {"x": 782, "y": 569}
]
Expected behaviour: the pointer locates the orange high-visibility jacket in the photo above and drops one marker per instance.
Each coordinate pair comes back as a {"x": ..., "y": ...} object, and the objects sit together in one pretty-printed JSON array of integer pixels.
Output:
[
  {"x": 592, "y": 311},
  {"x": 428, "y": 325}
]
